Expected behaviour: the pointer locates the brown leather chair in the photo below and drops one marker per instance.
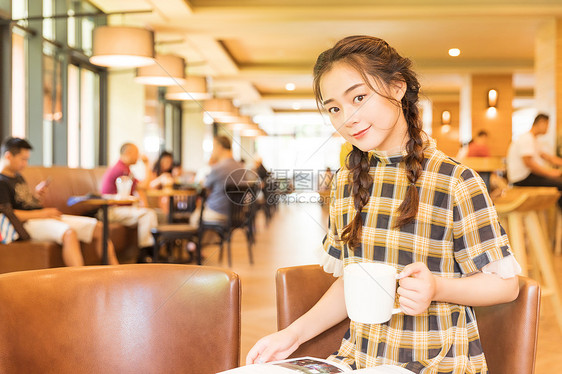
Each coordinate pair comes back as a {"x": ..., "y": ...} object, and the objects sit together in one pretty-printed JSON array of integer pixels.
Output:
[
  {"x": 149, "y": 318},
  {"x": 508, "y": 331}
]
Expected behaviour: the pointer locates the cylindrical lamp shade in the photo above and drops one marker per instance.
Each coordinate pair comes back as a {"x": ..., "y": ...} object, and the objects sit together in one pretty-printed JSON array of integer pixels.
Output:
[
  {"x": 169, "y": 70},
  {"x": 218, "y": 107},
  {"x": 233, "y": 116},
  {"x": 251, "y": 133},
  {"x": 243, "y": 123},
  {"x": 122, "y": 47},
  {"x": 194, "y": 88}
]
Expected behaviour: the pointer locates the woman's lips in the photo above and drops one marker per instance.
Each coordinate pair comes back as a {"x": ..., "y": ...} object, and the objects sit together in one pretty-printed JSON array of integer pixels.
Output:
[{"x": 359, "y": 134}]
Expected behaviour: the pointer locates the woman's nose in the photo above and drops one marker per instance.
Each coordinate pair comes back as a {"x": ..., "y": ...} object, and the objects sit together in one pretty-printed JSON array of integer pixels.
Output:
[{"x": 351, "y": 117}]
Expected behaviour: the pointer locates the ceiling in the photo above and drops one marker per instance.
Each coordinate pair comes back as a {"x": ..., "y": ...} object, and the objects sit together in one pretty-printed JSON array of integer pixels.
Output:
[{"x": 252, "y": 48}]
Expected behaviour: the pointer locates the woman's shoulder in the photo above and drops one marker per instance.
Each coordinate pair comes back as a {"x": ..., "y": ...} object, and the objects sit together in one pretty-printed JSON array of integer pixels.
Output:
[{"x": 446, "y": 166}]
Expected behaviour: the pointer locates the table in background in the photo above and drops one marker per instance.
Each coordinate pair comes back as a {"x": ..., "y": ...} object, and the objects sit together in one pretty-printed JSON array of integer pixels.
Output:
[{"x": 103, "y": 203}]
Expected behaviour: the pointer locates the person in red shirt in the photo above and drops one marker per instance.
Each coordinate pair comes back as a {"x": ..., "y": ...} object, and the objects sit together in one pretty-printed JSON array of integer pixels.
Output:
[
  {"x": 144, "y": 218},
  {"x": 478, "y": 147}
]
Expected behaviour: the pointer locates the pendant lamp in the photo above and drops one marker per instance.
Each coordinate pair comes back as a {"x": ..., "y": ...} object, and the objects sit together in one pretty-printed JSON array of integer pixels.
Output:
[
  {"x": 243, "y": 123},
  {"x": 218, "y": 108},
  {"x": 194, "y": 88},
  {"x": 168, "y": 70},
  {"x": 122, "y": 46},
  {"x": 251, "y": 133}
]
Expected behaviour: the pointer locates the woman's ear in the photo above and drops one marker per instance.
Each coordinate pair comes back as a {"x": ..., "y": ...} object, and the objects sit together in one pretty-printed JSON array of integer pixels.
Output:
[{"x": 398, "y": 89}]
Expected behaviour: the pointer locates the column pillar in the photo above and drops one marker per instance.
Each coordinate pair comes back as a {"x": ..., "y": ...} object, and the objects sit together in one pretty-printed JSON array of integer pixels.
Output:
[
  {"x": 496, "y": 122},
  {"x": 548, "y": 76}
]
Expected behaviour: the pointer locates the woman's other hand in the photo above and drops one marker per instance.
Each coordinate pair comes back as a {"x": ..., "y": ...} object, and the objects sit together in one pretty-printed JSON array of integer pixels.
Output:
[{"x": 276, "y": 346}]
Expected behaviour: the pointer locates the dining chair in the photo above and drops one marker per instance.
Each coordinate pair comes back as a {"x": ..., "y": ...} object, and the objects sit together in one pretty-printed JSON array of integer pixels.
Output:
[
  {"x": 508, "y": 332},
  {"x": 181, "y": 208},
  {"x": 140, "y": 318},
  {"x": 242, "y": 198}
]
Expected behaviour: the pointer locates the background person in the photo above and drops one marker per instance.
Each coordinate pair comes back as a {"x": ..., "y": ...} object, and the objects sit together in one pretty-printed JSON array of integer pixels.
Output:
[
  {"x": 144, "y": 218},
  {"x": 223, "y": 165},
  {"x": 371, "y": 96},
  {"x": 46, "y": 224},
  {"x": 161, "y": 175},
  {"x": 478, "y": 147},
  {"x": 528, "y": 164}
]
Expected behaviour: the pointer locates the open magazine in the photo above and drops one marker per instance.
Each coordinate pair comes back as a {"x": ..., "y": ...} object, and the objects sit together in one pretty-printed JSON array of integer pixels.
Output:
[{"x": 310, "y": 365}]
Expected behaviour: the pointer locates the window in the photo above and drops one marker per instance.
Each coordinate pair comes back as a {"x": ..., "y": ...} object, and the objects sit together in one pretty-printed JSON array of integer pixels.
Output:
[
  {"x": 19, "y": 84},
  {"x": 83, "y": 117}
]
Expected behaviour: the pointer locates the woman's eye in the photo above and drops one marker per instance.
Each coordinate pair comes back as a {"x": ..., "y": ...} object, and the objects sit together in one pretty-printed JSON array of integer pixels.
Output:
[
  {"x": 358, "y": 99},
  {"x": 333, "y": 110}
]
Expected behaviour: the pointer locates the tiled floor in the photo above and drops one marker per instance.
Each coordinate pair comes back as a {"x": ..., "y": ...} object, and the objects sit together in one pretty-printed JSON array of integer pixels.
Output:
[{"x": 290, "y": 239}]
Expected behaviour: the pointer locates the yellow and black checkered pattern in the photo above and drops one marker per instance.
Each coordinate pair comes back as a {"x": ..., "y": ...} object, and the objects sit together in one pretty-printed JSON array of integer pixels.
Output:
[{"x": 456, "y": 232}]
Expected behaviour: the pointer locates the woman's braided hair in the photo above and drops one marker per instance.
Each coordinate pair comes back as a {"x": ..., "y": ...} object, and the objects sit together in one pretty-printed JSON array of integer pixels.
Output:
[{"x": 374, "y": 59}]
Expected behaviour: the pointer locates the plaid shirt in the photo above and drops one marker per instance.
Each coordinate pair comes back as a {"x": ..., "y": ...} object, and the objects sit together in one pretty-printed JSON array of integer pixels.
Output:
[{"x": 456, "y": 232}]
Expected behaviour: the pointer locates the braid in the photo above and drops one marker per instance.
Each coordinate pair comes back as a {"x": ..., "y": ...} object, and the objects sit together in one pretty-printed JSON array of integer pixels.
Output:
[
  {"x": 361, "y": 184},
  {"x": 414, "y": 148}
]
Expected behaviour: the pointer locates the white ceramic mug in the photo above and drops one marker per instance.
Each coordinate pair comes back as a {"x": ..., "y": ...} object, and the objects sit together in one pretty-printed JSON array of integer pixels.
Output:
[
  {"x": 124, "y": 184},
  {"x": 370, "y": 291}
]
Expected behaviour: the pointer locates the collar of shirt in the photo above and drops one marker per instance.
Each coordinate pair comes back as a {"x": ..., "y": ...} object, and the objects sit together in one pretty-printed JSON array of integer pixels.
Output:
[{"x": 396, "y": 155}]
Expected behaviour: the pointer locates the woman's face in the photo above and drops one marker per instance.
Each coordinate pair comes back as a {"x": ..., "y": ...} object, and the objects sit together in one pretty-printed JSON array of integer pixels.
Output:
[
  {"x": 166, "y": 163},
  {"x": 364, "y": 118}
]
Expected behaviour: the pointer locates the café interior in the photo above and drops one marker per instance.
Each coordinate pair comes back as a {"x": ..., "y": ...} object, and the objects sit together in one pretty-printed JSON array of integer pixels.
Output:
[{"x": 80, "y": 78}]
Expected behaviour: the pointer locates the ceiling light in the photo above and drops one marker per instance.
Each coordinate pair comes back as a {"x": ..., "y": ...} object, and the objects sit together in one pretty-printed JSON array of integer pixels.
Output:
[
  {"x": 122, "y": 47},
  {"x": 169, "y": 70},
  {"x": 243, "y": 123},
  {"x": 253, "y": 132},
  {"x": 454, "y": 52},
  {"x": 290, "y": 86},
  {"x": 194, "y": 88},
  {"x": 220, "y": 109}
]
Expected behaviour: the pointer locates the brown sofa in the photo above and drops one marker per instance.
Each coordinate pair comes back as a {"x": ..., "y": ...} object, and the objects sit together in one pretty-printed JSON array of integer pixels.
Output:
[{"x": 66, "y": 182}]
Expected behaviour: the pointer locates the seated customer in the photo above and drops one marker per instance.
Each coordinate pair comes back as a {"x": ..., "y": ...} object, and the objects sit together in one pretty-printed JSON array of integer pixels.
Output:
[
  {"x": 528, "y": 164},
  {"x": 144, "y": 218},
  {"x": 223, "y": 168},
  {"x": 161, "y": 175},
  {"x": 478, "y": 147},
  {"x": 46, "y": 224}
]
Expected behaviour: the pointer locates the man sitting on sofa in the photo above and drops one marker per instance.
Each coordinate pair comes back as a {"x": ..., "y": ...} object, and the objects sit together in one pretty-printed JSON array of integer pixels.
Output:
[
  {"x": 144, "y": 218},
  {"x": 45, "y": 224}
]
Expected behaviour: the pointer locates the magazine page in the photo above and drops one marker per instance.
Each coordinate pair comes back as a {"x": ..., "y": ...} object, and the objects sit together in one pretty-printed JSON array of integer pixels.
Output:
[
  {"x": 311, "y": 365},
  {"x": 302, "y": 365}
]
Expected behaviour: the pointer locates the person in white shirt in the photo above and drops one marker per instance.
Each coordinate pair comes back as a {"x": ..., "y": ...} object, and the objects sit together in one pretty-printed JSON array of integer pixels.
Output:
[{"x": 528, "y": 164}]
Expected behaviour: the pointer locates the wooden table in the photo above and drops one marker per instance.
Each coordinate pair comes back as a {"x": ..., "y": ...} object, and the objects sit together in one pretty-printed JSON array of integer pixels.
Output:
[{"x": 103, "y": 203}]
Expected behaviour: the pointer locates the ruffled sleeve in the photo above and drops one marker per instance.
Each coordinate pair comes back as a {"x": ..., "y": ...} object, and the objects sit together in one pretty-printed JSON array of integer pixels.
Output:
[
  {"x": 507, "y": 267},
  {"x": 329, "y": 263}
]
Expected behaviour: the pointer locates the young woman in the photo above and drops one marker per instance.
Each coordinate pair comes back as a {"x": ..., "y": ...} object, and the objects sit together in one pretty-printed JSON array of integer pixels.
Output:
[
  {"x": 401, "y": 202},
  {"x": 162, "y": 170}
]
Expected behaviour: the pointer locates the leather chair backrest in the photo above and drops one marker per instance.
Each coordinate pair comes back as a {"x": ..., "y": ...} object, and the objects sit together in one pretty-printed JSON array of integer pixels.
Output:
[
  {"x": 156, "y": 318},
  {"x": 508, "y": 332},
  {"x": 298, "y": 289}
]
